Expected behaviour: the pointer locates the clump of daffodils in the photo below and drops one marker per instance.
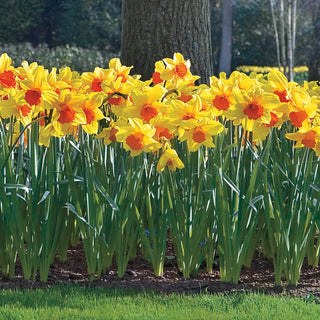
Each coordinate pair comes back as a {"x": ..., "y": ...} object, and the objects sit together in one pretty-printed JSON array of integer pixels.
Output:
[{"x": 154, "y": 115}]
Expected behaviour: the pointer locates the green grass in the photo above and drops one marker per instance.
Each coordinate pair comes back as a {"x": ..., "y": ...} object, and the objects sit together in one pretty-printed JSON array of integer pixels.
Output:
[{"x": 101, "y": 303}]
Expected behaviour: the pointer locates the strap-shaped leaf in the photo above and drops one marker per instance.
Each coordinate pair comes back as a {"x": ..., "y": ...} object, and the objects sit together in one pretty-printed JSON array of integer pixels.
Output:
[
  {"x": 254, "y": 201},
  {"x": 17, "y": 186},
  {"x": 44, "y": 197}
]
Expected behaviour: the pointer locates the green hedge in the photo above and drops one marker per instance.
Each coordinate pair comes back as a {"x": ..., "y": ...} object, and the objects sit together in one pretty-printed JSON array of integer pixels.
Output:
[{"x": 76, "y": 58}]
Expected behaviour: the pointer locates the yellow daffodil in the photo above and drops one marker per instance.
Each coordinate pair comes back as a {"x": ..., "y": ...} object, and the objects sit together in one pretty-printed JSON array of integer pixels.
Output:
[
  {"x": 177, "y": 70},
  {"x": 137, "y": 137},
  {"x": 5, "y": 63},
  {"x": 45, "y": 134},
  {"x": 26, "y": 70},
  {"x": 117, "y": 95},
  {"x": 111, "y": 87},
  {"x": 16, "y": 106},
  {"x": 184, "y": 91},
  {"x": 301, "y": 107},
  {"x": 181, "y": 113},
  {"x": 65, "y": 79},
  {"x": 156, "y": 76},
  {"x": 170, "y": 159},
  {"x": 307, "y": 137},
  {"x": 92, "y": 112},
  {"x": 93, "y": 80},
  {"x": 122, "y": 72},
  {"x": 253, "y": 106},
  {"x": 198, "y": 133},
  {"x": 219, "y": 96},
  {"x": 164, "y": 128},
  {"x": 146, "y": 104},
  {"x": 7, "y": 75},
  {"x": 241, "y": 80},
  {"x": 38, "y": 92},
  {"x": 296, "y": 103},
  {"x": 68, "y": 112},
  {"x": 109, "y": 134}
]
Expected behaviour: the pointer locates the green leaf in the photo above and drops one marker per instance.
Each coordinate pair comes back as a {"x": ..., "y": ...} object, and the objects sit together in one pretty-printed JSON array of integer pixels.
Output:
[
  {"x": 17, "y": 186},
  {"x": 254, "y": 201},
  {"x": 45, "y": 195}
]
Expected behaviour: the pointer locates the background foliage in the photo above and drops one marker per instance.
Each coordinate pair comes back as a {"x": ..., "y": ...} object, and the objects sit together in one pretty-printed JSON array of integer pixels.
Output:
[
  {"x": 96, "y": 25},
  {"x": 55, "y": 22},
  {"x": 77, "y": 58}
]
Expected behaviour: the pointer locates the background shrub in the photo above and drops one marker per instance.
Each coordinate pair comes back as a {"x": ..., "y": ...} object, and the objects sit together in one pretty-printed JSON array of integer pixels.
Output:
[{"x": 78, "y": 59}]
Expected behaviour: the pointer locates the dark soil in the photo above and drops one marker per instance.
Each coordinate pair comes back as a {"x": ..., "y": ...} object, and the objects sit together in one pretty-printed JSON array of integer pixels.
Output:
[{"x": 139, "y": 276}]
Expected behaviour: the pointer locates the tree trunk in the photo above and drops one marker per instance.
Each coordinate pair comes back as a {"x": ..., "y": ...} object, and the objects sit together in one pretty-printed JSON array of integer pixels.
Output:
[
  {"x": 314, "y": 70},
  {"x": 294, "y": 25},
  {"x": 276, "y": 34},
  {"x": 313, "y": 57},
  {"x": 282, "y": 37},
  {"x": 290, "y": 41},
  {"x": 226, "y": 43},
  {"x": 156, "y": 29}
]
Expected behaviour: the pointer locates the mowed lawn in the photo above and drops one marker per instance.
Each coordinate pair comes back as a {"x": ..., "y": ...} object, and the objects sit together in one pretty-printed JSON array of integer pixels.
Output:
[{"x": 75, "y": 302}]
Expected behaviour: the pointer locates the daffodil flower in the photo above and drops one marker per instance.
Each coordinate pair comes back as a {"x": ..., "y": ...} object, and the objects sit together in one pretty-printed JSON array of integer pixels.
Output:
[
  {"x": 137, "y": 137},
  {"x": 170, "y": 159}
]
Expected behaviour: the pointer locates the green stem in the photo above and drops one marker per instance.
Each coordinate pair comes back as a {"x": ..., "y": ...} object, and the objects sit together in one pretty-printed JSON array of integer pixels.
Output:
[{"x": 17, "y": 140}]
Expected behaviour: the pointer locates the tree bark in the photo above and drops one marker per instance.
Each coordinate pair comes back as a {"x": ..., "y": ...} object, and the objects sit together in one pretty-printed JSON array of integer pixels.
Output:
[
  {"x": 276, "y": 34},
  {"x": 156, "y": 29},
  {"x": 313, "y": 57},
  {"x": 226, "y": 43},
  {"x": 294, "y": 24},
  {"x": 282, "y": 36},
  {"x": 290, "y": 41}
]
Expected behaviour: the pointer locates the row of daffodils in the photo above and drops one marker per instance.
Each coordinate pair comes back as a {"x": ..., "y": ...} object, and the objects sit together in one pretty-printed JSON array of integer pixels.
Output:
[{"x": 145, "y": 116}]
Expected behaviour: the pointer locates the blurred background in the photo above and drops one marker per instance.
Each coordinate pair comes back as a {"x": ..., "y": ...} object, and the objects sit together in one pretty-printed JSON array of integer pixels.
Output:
[{"x": 83, "y": 34}]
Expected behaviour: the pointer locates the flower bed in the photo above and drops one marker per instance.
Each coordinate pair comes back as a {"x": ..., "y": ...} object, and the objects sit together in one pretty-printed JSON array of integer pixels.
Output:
[{"x": 117, "y": 162}]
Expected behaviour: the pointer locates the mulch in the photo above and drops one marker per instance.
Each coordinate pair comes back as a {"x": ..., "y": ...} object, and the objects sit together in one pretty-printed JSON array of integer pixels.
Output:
[{"x": 139, "y": 276}]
